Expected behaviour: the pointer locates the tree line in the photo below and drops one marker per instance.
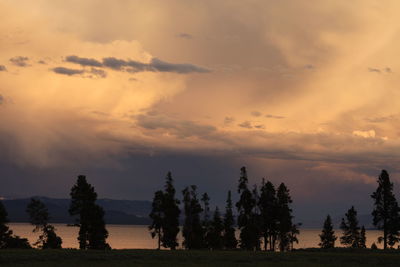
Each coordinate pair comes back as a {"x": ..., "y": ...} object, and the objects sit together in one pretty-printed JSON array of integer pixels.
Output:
[
  {"x": 263, "y": 219},
  {"x": 386, "y": 217}
]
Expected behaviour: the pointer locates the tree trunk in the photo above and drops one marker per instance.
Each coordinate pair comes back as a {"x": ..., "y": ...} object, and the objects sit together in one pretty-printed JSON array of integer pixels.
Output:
[
  {"x": 265, "y": 242},
  {"x": 159, "y": 239},
  {"x": 384, "y": 236}
]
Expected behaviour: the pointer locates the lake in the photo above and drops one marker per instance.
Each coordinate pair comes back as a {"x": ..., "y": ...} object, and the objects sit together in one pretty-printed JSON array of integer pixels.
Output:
[{"x": 138, "y": 236}]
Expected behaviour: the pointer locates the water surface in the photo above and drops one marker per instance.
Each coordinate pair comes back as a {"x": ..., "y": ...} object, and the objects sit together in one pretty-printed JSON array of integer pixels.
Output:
[{"x": 138, "y": 236}]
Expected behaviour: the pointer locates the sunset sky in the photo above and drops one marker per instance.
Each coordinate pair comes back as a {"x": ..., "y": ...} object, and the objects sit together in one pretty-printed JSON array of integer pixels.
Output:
[{"x": 305, "y": 92}]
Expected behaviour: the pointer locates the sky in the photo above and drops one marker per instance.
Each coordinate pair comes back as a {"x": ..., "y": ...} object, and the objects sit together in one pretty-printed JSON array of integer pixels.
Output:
[{"x": 301, "y": 92}]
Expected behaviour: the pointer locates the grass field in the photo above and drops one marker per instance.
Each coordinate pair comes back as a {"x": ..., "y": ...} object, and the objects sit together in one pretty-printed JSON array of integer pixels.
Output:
[{"x": 65, "y": 257}]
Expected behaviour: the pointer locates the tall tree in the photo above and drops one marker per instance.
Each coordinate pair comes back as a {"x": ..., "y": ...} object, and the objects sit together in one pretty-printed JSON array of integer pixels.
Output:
[
  {"x": 205, "y": 199},
  {"x": 268, "y": 211},
  {"x": 157, "y": 216},
  {"x": 7, "y": 238},
  {"x": 192, "y": 228},
  {"x": 39, "y": 217},
  {"x": 363, "y": 238},
  {"x": 92, "y": 231},
  {"x": 229, "y": 237},
  {"x": 170, "y": 224},
  {"x": 351, "y": 230},
  {"x": 214, "y": 235},
  {"x": 249, "y": 238},
  {"x": 386, "y": 211},
  {"x": 256, "y": 220},
  {"x": 327, "y": 236},
  {"x": 294, "y": 232},
  {"x": 284, "y": 218}
]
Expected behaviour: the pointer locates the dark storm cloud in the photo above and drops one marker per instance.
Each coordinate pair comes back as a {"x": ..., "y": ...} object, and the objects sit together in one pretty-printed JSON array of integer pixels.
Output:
[
  {"x": 185, "y": 35},
  {"x": 179, "y": 128},
  {"x": 245, "y": 124},
  {"x": 20, "y": 61},
  {"x": 3, "y": 68},
  {"x": 67, "y": 71},
  {"x": 274, "y": 116},
  {"x": 84, "y": 61}
]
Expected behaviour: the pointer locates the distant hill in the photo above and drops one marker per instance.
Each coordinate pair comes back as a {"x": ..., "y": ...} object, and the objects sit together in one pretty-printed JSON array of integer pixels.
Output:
[{"x": 116, "y": 211}]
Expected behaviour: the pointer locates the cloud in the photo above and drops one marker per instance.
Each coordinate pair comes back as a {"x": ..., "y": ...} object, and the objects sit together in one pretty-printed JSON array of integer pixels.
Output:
[
  {"x": 245, "y": 124},
  {"x": 176, "y": 127},
  {"x": 97, "y": 72},
  {"x": 2, "y": 99},
  {"x": 309, "y": 66},
  {"x": 229, "y": 120},
  {"x": 19, "y": 61},
  {"x": 365, "y": 134},
  {"x": 114, "y": 63},
  {"x": 256, "y": 113},
  {"x": 380, "y": 119},
  {"x": 3, "y": 68},
  {"x": 374, "y": 70},
  {"x": 185, "y": 35},
  {"x": 259, "y": 126},
  {"x": 388, "y": 70},
  {"x": 67, "y": 71},
  {"x": 163, "y": 66},
  {"x": 155, "y": 65},
  {"x": 274, "y": 116},
  {"x": 84, "y": 61},
  {"x": 91, "y": 73}
]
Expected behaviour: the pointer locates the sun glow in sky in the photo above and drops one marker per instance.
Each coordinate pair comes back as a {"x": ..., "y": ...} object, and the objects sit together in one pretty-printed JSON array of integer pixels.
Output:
[{"x": 301, "y": 91}]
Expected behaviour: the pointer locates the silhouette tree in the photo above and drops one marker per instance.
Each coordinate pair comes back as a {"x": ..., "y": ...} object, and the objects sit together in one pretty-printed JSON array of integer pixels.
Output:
[
  {"x": 7, "y": 239},
  {"x": 294, "y": 232},
  {"x": 351, "y": 230},
  {"x": 249, "y": 238},
  {"x": 205, "y": 199},
  {"x": 157, "y": 216},
  {"x": 327, "y": 236},
  {"x": 170, "y": 222},
  {"x": 268, "y": 211},
  {"x": 214, "y": 236},
  {"x": 229, "y": 238},
  {"x": 39, "y": 217},
  {"x": 363, "y": 238},
  {"x": 92, "y": 231},
  {"x": 192, "y": 228},
  {"x": 284, "y": 218},
  {"x": 386, "y": 211},
  {"x": 256, "y": 220}
]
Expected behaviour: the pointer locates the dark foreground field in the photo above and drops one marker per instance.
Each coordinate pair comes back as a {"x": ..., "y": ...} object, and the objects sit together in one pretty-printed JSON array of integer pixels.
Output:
[{"x": 153, "y": 258}]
